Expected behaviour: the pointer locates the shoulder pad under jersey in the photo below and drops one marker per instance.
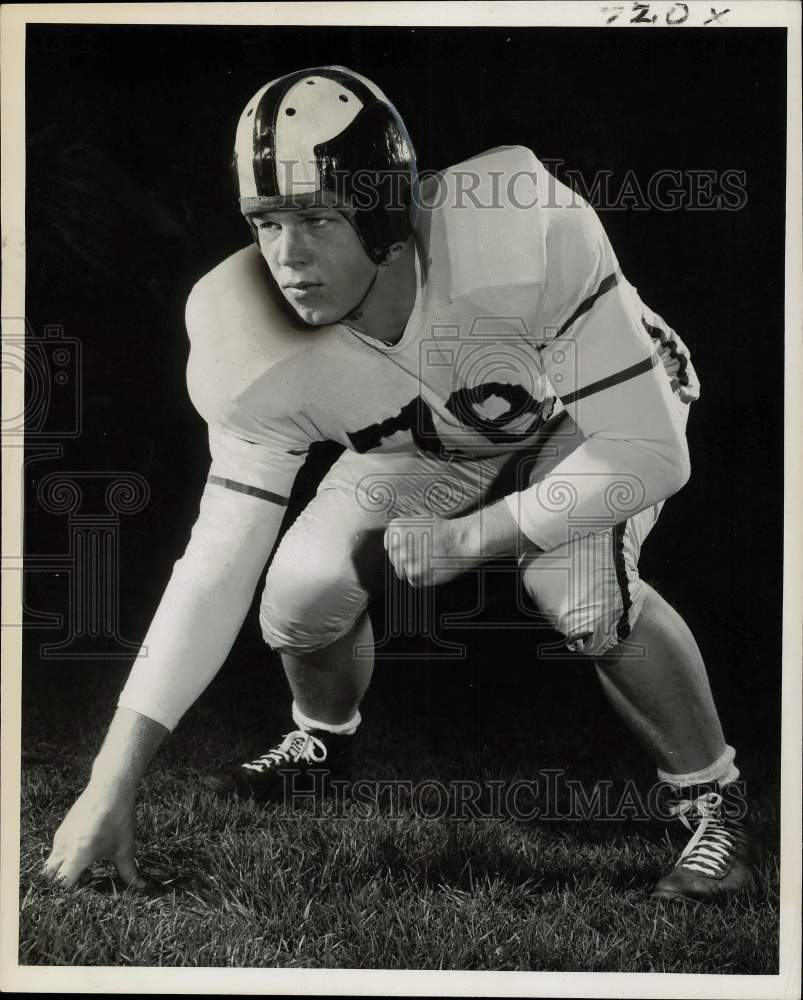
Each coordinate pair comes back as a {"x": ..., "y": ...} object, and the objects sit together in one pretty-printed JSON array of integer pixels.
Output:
[
  {"x": 239, "y": 326},
  {"x": 481, "y": 222}
]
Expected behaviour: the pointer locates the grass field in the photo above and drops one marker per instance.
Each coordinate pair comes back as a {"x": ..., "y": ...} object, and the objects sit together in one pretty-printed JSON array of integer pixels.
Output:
[{"x": 246, "y": 885}]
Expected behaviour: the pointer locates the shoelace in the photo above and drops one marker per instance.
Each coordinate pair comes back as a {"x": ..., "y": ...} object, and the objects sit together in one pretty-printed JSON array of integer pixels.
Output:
[
  {"x": 295, "y": 747},
  {"x": 714, "y": 840}
]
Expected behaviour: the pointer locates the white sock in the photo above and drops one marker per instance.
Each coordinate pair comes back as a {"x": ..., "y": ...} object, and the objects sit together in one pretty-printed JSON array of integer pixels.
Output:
[
  {"x": 722, "y": 770},
  {"x": 342, "y": 729}
]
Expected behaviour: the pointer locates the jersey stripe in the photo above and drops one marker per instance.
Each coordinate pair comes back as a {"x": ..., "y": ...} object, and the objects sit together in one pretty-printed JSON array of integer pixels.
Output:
[
  {"x": 251, "y": 491},
  {"x": 604, "y": 286},
  {"x": 605, "y": 383},
  {"x": 623, "y": 625}
]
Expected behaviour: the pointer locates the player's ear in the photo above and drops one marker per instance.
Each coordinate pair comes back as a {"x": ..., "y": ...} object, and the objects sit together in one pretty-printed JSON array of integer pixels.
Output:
[{"x": 393, "y": 254}]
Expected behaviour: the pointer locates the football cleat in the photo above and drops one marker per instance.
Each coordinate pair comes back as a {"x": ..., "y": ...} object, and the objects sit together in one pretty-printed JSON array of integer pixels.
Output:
[
  {"x": 302, "y": 762},
  {"x": 719, "y": 860}
]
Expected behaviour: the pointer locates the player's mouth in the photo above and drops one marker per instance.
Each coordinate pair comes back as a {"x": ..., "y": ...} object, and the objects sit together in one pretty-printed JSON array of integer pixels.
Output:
[{"x": 300, "y": 289}]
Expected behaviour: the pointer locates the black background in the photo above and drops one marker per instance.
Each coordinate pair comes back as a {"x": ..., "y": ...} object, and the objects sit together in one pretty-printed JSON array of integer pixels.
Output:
[{"x": 129, "y": 202}]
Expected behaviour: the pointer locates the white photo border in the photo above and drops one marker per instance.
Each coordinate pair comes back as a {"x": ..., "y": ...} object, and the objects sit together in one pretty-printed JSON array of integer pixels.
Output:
[{"x": 741, "y": 13}]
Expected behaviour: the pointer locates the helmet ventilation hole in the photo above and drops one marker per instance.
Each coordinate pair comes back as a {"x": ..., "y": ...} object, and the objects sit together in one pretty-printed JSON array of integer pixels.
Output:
[{"x": 367, "y": 132}]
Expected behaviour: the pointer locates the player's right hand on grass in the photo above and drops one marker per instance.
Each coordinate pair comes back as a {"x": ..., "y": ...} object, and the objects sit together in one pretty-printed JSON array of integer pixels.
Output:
[
  {"x": 100, "y": 825},
  {"x": 102, "y": 822}
]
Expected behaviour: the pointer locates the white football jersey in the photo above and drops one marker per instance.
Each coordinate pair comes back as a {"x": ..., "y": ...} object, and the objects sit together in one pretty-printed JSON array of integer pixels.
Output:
[
  {"x": 521, "y": 310},
  {"x": 518, "y": 313}
]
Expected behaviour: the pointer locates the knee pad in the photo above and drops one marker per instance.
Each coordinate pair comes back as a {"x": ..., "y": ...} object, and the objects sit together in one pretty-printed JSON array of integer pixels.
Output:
[
  {"x": 593, "y": 606},
  {"x": 303, "y": 612},
  {"x": 308, "y": 605}
]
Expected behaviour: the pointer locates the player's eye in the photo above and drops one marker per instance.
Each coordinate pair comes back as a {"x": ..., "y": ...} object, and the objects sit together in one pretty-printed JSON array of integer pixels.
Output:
[
  {"x": 316, "y": 222},
  {"x": 267, "y": 231}
]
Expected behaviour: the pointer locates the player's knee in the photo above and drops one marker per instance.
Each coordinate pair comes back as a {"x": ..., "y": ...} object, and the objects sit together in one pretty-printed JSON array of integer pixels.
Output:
[
  {"x": 306, "y": 608},
  {"x": 592, "y": 617}
]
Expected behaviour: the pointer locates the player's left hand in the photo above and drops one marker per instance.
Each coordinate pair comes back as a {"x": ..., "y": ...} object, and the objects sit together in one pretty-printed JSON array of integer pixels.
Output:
[{"x": 427, "y": 550}]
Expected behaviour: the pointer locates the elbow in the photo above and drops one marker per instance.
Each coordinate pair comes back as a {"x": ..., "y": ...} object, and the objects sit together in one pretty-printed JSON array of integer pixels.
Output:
[
  {"x": 665, "y": 469},
  {"x": 681, "y": 462},
  {"x": 684, "y": 467},
  {"x": 676, "y": 469}
]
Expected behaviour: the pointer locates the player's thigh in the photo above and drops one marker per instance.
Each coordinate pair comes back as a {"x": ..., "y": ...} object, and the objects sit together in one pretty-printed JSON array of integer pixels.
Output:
[
  {"x": 331, "y": 560},
  {"x": 324, "y": 569}
]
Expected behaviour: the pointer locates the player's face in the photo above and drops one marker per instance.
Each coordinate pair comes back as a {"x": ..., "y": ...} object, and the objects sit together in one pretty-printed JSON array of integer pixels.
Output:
[{"x": 317, "y": 260}]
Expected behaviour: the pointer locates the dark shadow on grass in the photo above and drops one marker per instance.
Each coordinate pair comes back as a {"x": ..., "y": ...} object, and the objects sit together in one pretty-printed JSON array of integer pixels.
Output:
[{"x": 462, "y": 869}]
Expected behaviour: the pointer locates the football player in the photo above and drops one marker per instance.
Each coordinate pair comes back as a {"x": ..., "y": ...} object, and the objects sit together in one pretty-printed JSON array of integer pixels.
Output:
[{"x": 445, "y": 331}]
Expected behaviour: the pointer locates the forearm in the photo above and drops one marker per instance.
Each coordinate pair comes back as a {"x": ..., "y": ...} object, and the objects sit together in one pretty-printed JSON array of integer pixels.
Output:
[
  {"x": 130, "y": 744},
  {"x": 204, "y": 605},
  {"x": 188, "y": 641},
  {"x": 603, "y": 483},
  {"x": 582, "y": 495}
]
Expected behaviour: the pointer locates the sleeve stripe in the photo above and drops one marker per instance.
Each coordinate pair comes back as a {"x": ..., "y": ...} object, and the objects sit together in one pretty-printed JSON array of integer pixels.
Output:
[
  {"x": 664, "y": 340},
  {"x": 605, "y": 383},
  {"x": 251, "y": 491},
  {"x": 605, "y": 286}
]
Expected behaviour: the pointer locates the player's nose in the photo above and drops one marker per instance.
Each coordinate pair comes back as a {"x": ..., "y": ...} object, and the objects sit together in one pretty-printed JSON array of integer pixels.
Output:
[{"x": 292, "y": 250}]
